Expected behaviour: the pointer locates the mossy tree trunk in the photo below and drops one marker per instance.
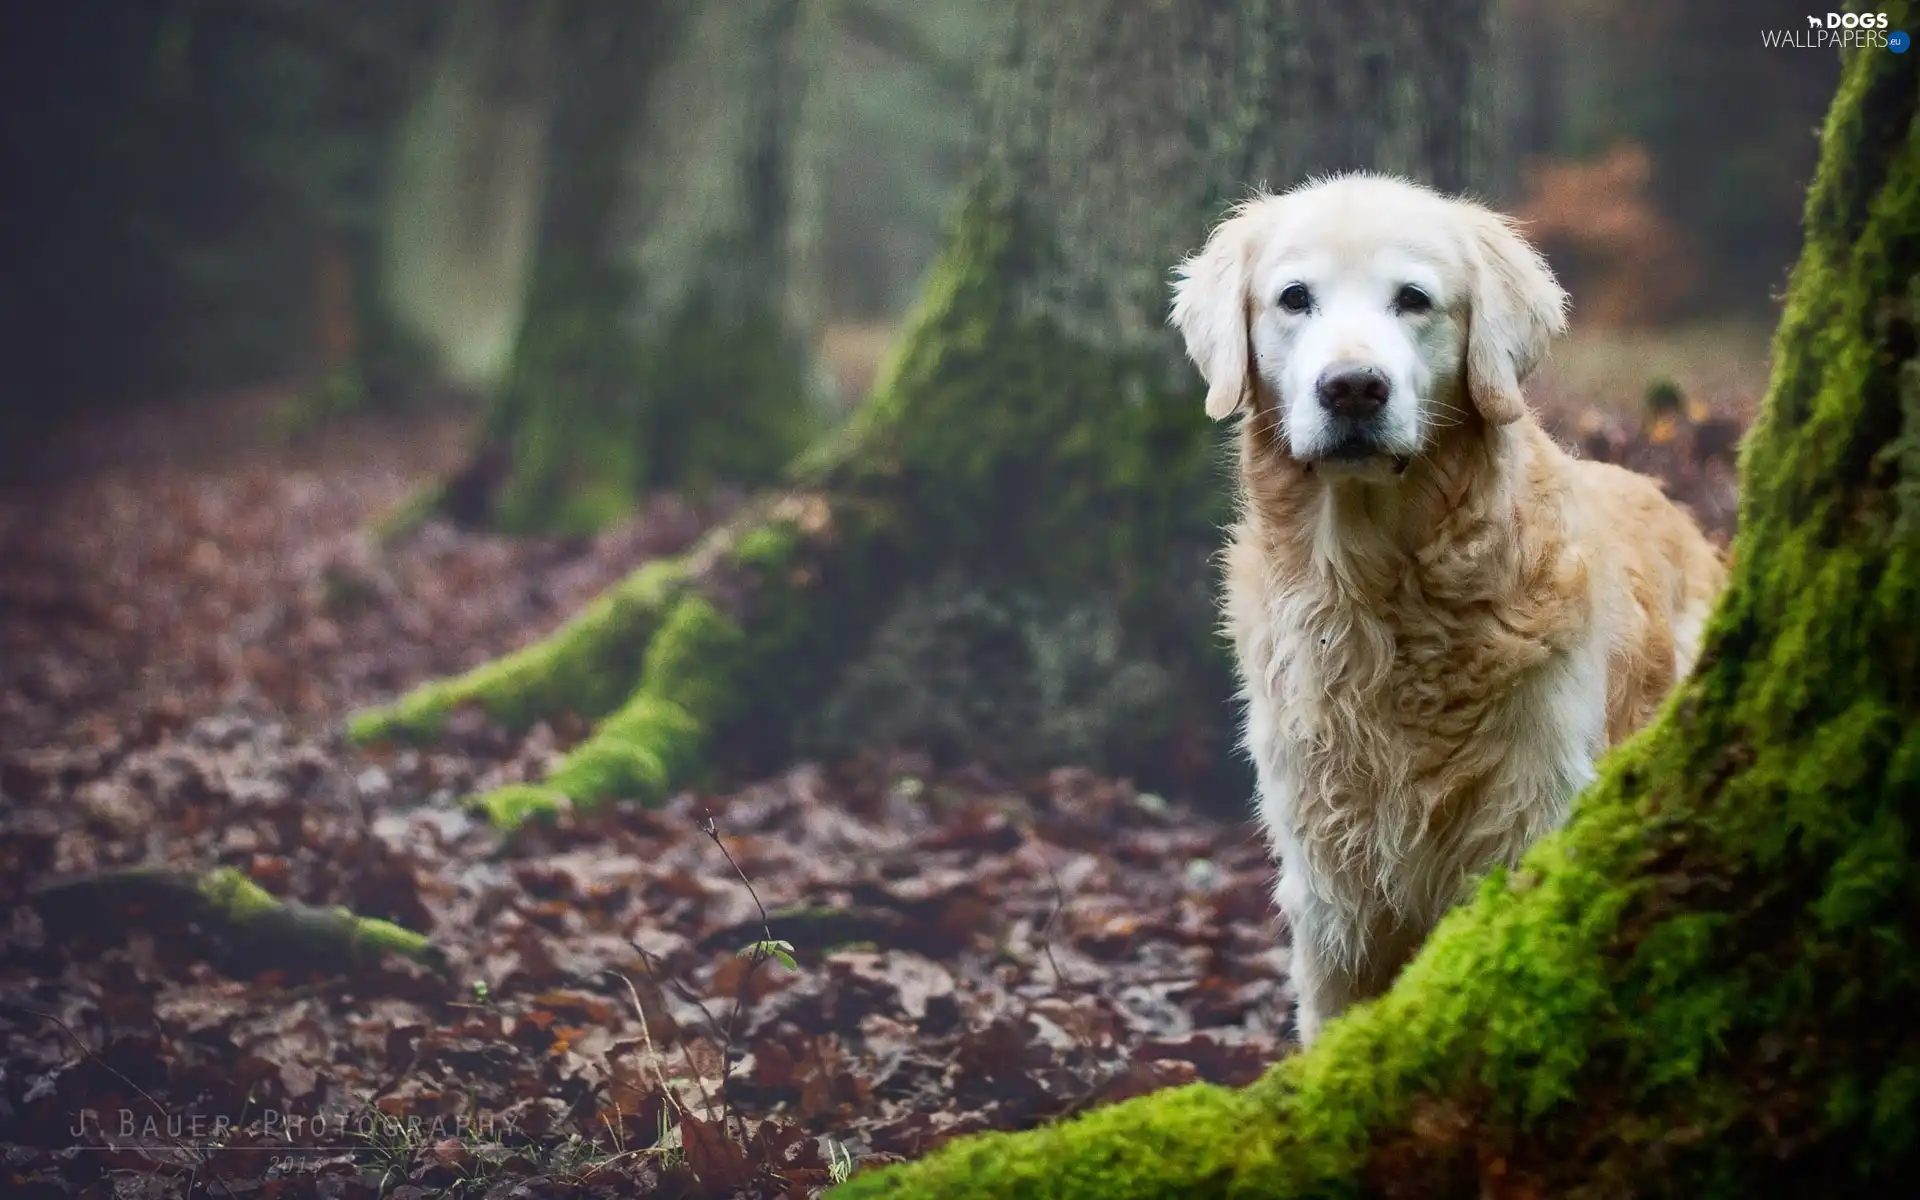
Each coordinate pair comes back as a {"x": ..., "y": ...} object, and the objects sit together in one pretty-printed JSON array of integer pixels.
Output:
[
  {"x": 660, "y": 343},
  {"x": 1704, "y": 986},
  {"x": 1034, "y": 478}
]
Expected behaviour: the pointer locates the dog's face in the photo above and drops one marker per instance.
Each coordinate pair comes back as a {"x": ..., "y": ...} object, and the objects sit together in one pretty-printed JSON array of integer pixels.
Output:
[{"x": 1371, "y": 313}]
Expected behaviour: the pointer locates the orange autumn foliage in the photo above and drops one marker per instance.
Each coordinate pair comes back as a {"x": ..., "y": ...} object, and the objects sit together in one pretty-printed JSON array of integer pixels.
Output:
[{"x": 1625, "y": 263}]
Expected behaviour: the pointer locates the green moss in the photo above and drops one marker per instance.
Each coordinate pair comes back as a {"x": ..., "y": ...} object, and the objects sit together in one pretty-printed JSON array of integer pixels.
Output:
[
  {"x": 765, "y": 547},
  {"x": 238, "y": 921},
  {"x": 237, "y": 901},
  {"x": 229, "y": 891},
  {"x": 656, "y": 740},
  {"x": 372, "y": 933},
  {"x": 699, "y": 670},
  {"x": 508, "y": 808},
  {"x": 587, "y": 667},
  {"x": 1702, "y": 986}
]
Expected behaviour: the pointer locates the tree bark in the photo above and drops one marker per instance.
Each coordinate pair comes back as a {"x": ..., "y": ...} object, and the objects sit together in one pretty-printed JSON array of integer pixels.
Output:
[
  {"x": 1703, "y": 986},
  {"x": 660, "y": 344},
  {"x": 1037, "y": 442}
]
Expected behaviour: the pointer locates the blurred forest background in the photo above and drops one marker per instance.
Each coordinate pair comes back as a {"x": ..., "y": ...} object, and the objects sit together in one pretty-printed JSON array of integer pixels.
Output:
[{"x": 344, "y": 194}]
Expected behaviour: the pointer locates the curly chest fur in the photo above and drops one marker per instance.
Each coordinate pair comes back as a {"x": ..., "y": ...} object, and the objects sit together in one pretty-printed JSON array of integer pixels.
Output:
[{"x": 1413, "y": 716}]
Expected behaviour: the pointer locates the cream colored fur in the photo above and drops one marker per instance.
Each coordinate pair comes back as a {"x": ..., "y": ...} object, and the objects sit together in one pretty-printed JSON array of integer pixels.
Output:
[{"x": 1435, "y": 641}]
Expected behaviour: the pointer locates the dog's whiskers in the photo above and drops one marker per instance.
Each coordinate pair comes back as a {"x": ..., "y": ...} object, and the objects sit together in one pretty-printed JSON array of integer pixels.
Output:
[{"x": 1275, "y": 424}]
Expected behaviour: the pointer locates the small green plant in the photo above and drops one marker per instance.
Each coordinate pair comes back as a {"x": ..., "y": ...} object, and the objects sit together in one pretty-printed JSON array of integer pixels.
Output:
[
  {"x": 774, "y": 948},
  {"x": 392, "y": 1144},
  {"x": 477, "y": 1169},
  {"x": 839, "y": 1163},
  {"x": 666, "y": 1141},
  {"x": 575, "y": 1160}
]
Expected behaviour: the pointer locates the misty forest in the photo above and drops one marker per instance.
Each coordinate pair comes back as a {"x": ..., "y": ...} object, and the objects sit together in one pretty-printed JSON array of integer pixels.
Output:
[{"x": 624, "y": 598}]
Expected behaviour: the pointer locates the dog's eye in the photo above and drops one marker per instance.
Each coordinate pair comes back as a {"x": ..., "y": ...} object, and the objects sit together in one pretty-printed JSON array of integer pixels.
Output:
[
  {"x": 1296, "y": 298},
  {"x": 1411, "y": 299}
]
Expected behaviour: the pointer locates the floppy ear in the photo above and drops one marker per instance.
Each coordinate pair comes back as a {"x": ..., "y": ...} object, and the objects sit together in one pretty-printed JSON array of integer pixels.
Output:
[
  {"x": 1210, "y": 311},
  {"x": 1517, "y": 309}
]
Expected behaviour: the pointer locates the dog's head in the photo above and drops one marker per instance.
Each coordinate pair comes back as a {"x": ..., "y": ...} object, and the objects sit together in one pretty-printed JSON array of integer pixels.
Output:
[{"x": 1370, "y": 311}]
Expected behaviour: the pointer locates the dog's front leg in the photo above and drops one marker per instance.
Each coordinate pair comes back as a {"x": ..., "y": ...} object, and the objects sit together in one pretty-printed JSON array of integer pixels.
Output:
[
  {"x": 1325, "y": 960},
  {"x": 1324, "y": 987}
]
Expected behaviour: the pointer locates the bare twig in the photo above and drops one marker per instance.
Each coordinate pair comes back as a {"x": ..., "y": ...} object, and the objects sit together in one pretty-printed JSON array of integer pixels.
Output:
[
  {"x": 711, "y": 828},
  {"x": 1045, "y": 937},
  {"x": 1045, "y": 934},
  {"x": 761, "y": 953}
]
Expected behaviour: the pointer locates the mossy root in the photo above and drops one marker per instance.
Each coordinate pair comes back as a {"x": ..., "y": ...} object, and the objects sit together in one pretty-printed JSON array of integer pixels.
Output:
[
  {"x": 252, "y": 928},
  {"x": 666, "y": 662},
  {"x": 586, "y": 667}
]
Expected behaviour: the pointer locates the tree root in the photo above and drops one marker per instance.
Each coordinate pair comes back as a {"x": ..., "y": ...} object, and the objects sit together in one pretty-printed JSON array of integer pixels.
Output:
[
  {"x": 253, "y": 928},
  {"x": 664, "y": 661}
]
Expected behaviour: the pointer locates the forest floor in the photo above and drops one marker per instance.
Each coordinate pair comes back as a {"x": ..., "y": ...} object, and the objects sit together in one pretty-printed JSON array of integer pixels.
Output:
[{"x": 188, "y": 608}]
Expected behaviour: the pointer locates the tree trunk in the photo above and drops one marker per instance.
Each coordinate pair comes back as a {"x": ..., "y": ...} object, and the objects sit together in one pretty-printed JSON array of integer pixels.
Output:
[
  {"x": 463, "y": 199},
  {"x": 1704, "y": 986},
  {"x": 659, "y": 344},
  {"x": 1026, "y": 509}
]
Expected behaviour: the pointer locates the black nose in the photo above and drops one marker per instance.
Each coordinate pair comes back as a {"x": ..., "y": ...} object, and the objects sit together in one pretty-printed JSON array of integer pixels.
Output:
[{"x": 1353, "y": 392}]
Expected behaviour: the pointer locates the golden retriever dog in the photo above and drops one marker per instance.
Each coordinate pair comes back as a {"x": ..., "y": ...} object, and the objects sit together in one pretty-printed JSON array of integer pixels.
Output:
[{"x": 1442, "y": 619}]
